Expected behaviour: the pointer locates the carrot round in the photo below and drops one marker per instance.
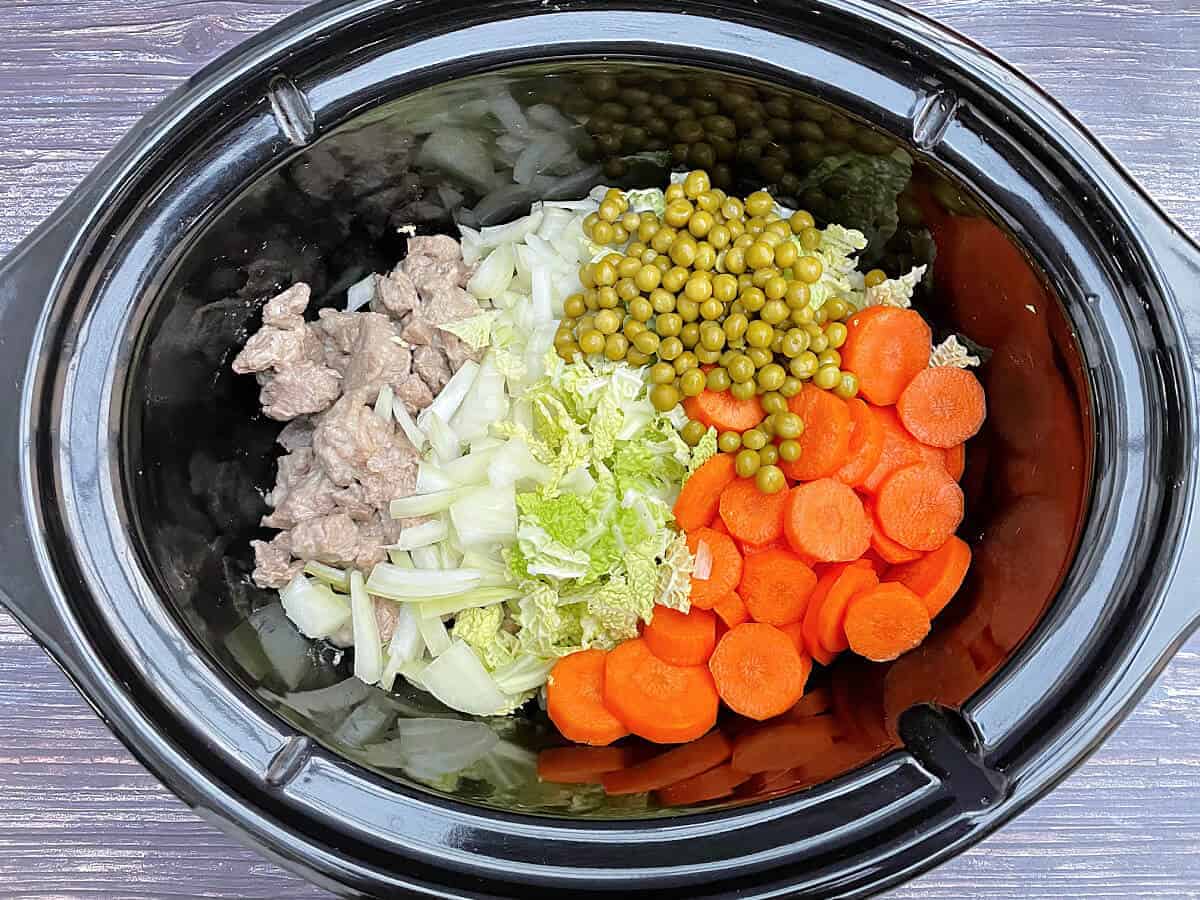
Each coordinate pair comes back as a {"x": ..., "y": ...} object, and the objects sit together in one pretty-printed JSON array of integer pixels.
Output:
[
  {"x": 575, "y": 699},
  {"x": 748, "y": 550},
  {"x": 670, "y": 767},
  {"x": 943, "y": 406},
  {"x": 757, "y": 671},
  {"x": 732, "y": 611},
  {"x": 723, "y": 411},
  {"x": 825, "y": 441},
  {"x": 900, "y": 449},
  {"x": 726, "y": 568},
  {"x": 581, "y": 765},
  {"x": 937, "y": 576},
  {"x": 956, "y": 461},
  {"x": 886, "y": 622},
  {"x": 920, "y": 506},
  {"x": 660, "y": 702},
  {"x": 711, "y": 785},
  {"x": 682, "y": 639},
  {"x": 883, "y": 546},
  {"x": 775, "y": 586},
  {"x": 698, "y": 499},
  {"x": 749, "y": 514},
  {"x": 878, "y": 563},
  {"x": 783, "y": 745},
  {"x": 825, "y": 520},
  {"x": 866, "y": 444},
  {"x": 795, "y": 631},
  {"x": 816, "y": 600},
  {"x": 854, "y": 580},
  {"x": 886, "y": 348},
  {"x": 718, "y": 525}
]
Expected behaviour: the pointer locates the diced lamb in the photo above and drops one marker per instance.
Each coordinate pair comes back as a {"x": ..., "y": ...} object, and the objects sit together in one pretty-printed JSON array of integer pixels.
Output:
[
  {"x": 428, "y": 274},
  {"x": 376, "y": 359},
  {"x": 329, "y": 539},
  {"x": 436, "y": 246},
  {"x": 301, "y": 491},
  {"x": 300, "y": 390},
  {"x": 273, "y": 564},
  {"x": 287, "y": 309},
  {"x": 431, "y": 366},
  {"x": 395, "y": 294},
  {"x": 353, "y": 444},
  {"x": 296, "y": 435},
  {"x": 278, "y": 349},
  {"x": 417, "y": 331},
  {"x": 456, "y": 351},
  {"x": 414, "y": 393},
  {"x": 449, "y": 303}
]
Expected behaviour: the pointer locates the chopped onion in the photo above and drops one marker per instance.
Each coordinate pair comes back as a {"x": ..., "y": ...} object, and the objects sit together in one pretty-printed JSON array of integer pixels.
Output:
[
  {"x": 316, "y": 610},
  {"x": 445, "y": 443},
  {"x": 431, "y": 478},
  {"x": 546, "y": 116},
  {"x": 411, "y": 430},
  {"x": 460, "y": 152},
  {"x": 400, "y": 559},
  {"x": 422, "y": 504},
  {"x": 523, "y": 674},
  {"x": 484, "y": 596},
  {"x": 418, "y": 584},
  {"x": 383, "y": 403},
  {"x": 470, "y": 468},
  {"x": 360, "y": 293},
  {"x": 426, "y": 558},
  {"x": 368, "y": 650},
  {"x": 509, "y": 112},
  {"x": 704, "y": 562},
  {"x": 450, "y": 397},
  {"x": 334, "y": 577},
  {"x": 494, "y": 274},
  {"x": 485, "y": 515},
  {"x": 435, "y": 636},
  {"x": 485, "y": 403},
  {"x": 421, "y": 535},
  {"x": 406, "y": 645},
  {"x": 459, "y": 680},
  {"x": 511, "y": 232},
  {"x": 514, "y": 464}
]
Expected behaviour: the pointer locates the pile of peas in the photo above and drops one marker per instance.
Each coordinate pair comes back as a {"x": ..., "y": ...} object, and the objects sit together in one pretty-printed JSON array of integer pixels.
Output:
[{"x": 719, "y": 282}]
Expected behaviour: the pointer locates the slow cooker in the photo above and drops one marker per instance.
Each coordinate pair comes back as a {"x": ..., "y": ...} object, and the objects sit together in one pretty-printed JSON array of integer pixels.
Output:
[{"x": 134, "y": 461}]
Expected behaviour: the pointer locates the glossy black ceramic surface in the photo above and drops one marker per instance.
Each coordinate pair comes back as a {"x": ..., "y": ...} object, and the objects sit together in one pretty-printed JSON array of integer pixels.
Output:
[{"x": 134, "y": 480}]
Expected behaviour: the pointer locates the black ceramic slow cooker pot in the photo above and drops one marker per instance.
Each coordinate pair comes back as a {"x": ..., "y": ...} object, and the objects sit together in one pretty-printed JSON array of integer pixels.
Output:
[{"x": 133, "y": 461}]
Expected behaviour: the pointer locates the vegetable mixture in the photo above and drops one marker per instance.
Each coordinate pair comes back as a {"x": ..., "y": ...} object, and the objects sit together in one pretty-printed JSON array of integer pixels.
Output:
[{"x": 672, "y": 449}]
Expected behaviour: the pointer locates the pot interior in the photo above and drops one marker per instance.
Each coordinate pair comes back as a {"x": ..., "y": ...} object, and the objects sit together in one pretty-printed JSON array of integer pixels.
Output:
[{"x": 205, "y": 455}]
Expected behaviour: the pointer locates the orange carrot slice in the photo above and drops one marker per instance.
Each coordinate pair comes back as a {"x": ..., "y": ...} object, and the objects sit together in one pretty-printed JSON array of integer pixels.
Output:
[
  {"x": 937, "y": 576},
  {"x": 920, "y": 506},
  {"x": 726, "y": 569},
  {"x": 732, "y": 611},
  {"x": 886, "y": 349},
  {"x": 956, "y": 461},
  {"x": 866, "y": 444},
  {"x": 825, "y": 520},
  {"x": 775, "y": 586},
  {"x": 943, "y": 406},
  {"x": 575, "y": 699},
  {"x": 660, "y": 702},
  {"x": 886, "y": 622},
  {"x": 854, "y": 580},
  {"x": 900, "y": 449},
  {"x": 701, "y": 493},
  {"x": 581, "y": 765},
  {"x": 724, "y": 412},
  {"x": 682, "y": 639},
  {"x": 757, "y": 671},
  {"x": 883, "y": 546},
  {"x": 825, "y": 441},
  {"x": 749, "y": 514}
]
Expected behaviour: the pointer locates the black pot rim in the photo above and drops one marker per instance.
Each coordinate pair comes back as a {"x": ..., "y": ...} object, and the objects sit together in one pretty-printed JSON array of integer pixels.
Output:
[{"x": 69, "y": 487}]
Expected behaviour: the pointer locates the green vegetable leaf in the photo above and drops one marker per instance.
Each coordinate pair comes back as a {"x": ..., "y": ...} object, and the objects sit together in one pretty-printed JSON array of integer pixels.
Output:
[
  {"x": 705, "y": 450},
  {"x": 674, "y": 587},
  {"x": 482, "y": 629}
]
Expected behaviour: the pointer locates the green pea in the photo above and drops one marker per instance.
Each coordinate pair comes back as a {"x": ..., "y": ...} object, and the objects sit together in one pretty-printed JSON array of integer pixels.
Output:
[
  {"x": 735, "y": 326},
  {"x": 760, "y": 356},
  {"x": 791, "y": 386},
  {"x": 718, "y": 380},
  {"x": 804, "y": 366},
  {"x": 688, "y": 309},
  {"x": 788, "y": 425},
  {"x": 835, "y": 334},
  {"x": 827, "y": 377},
  {"x": 795, "y": 342},
  {"x": 729, "y": 355},
  {"x": 770, "y": 376},
  {"x": 802, "y": 315},
  {"x": 774, "y": 312},
  {"x": 754, "y": 439},
  {"x": 741, "y": 369},
  {"x": 729, "y": 442},
  {"x": 753, "y": 299},
  {"x": 742, "y": 390},
  {"x": 686, "y": 360},
  {"x": 769, "y": 479},
  {"x": 847, "y": 386},
  {"x": 837, "y": 308},
  {"x": 641, "y": 309},
  {"x": 690, "y": 335},
  {"x": 746, "y": 464},
  {"x": 664, "y": 397},
  {"x": 808, "y": 269},
  {"x": 591, "y": 341},
  {"x": 705, "y": 356},
  {"x": 692, "y": 432},
  {"x": 774, "y": 402},
  {"x": 711, "y": 309},
  {"x": 759, "y": 334},
  {"x": 789, "y": 450},
  {"x": 670, "y": 348},
  {"x": 692, "y": 382},
  {"x": 712, "y": 336},
  {"x": 768, "y": 455},
  {"x": 662, "y": 301},
  {"x": 668, "y": 324},
  {"x": 767, "y": 427},
  {"x": 662, "y": 373}
]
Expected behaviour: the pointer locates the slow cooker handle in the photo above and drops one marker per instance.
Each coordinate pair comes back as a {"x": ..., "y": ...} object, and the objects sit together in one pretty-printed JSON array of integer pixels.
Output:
[{"x": 28, "y": 276}]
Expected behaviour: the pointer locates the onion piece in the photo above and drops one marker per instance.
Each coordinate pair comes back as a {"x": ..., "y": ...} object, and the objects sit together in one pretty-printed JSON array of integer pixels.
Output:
[
  {"x": 704, "y": 562},
  {"x": 368, "y": 650},
  {"x": 459, "y": 680},
  {"x": 314, "y": 609},
  {"x": 360, "y": 293}
]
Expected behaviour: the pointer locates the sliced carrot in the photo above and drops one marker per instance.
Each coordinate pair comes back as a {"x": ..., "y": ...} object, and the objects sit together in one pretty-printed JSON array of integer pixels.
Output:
[
  {"x": 883, "y": 546},
  {"x": 854, "y": 580},
  {"x": 814, "y": 702},
  {"x": 682, "y": 639},
  {"x": 732, "y": 611},
  {"x": 575, "y": 699},
  {"x": 795, "y": 631},
  {"x": 749, "y": 514},
  {"x": 816, "y": 600},
  {"x": 711, "y": 785},
  {"x": 825, "y": 519},
  {"x": 886, "y": 622},
  {"x": 723, "y": 411},
  {"x": 698, "y": 499},
  {"x": 775, "y": 586},
  {"x": 726, "y": 568},
  {"x": 718, "y": 525},
  {"x": 866, "y": 444},
  {"x": 956, "y": 461},
  {"x": 757, "y": 671},
  {"x": 783, "y": 745},
  {"x": 581, "y": 765},
  {"x": 900, "y": 449},
  {"x": 748, "y": 550},
  {"x": 886, "y": 349},
  {"x": 943, "y": 406},
  {"x": 878, "y": 563},
  {"x": 920, "y": 506},
  {"x": 670, "y": 767},
  {"x": 825, "y": 441},
  {"x": 937, "y": 576},
  {"x": 660, "y": 702}
]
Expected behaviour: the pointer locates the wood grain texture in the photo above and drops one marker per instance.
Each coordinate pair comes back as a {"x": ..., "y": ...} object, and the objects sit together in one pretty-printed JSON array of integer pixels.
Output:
[{"x": 80, "y": 818}]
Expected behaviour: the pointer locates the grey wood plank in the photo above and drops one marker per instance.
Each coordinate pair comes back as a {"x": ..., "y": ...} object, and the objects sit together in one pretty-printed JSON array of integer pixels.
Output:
[{"x": 80, "y": 818}]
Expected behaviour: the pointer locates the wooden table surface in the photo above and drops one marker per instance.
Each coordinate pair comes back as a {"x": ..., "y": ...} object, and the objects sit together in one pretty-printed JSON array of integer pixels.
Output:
[{"x": 80, "y": 818}]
